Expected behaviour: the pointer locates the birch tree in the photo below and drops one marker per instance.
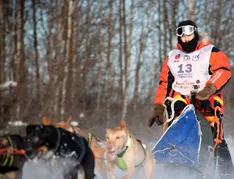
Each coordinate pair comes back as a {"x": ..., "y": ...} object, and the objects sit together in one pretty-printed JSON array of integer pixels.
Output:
[
  {"x": 100, "y": 56},
  {"x": 58, "y": 42},
  {"x": 109, "y": 67},
  {"x": 120, "y": 59},
  {"x": 65, "y": 97},
  {"x": 191, "y": 4},
  {"x": 127, "y": 53},
  {"x": 36, "y": 56},
  {"x": 21, "y": 76}
]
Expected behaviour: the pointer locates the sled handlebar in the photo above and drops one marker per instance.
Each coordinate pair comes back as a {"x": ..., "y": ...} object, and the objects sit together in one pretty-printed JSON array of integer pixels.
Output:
[{"x": 193, "y": 95}]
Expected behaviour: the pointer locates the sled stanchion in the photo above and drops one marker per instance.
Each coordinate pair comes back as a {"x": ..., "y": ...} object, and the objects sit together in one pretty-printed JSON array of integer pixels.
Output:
[{"x": 193, "y": 94}]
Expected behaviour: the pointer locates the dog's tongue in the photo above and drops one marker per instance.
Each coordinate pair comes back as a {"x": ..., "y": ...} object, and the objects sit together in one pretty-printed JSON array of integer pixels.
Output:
[{"x": 112, "y": 154}]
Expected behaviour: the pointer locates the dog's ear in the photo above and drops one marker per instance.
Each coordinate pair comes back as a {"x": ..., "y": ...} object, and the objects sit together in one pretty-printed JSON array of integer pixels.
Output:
[
  {"x": 46, "y": 121},
  {"x": 108, "y": 130},
  {"x": 69, "y": 120},
  {"x": 122, "y": 124}
]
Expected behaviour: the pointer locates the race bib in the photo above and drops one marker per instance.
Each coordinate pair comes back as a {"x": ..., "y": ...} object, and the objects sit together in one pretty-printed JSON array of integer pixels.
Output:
[{"x": 189, "y": 69}]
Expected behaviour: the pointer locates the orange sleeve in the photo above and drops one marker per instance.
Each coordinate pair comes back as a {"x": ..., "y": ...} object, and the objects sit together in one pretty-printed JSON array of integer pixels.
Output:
[
  {"x": 220, "y": 69},
  {"x": 163, "y": 83}
]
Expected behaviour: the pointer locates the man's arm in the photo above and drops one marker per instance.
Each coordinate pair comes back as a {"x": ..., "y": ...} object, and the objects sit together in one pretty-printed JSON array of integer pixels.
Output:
[
  {"x": 219, "y": 69},
  {"x": 163, "y": 87}
]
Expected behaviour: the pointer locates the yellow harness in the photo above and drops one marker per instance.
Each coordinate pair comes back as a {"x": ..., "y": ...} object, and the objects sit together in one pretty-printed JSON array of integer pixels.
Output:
[
  {"x": 121, "y": 163},
  {"x": 9, "y": 158}
]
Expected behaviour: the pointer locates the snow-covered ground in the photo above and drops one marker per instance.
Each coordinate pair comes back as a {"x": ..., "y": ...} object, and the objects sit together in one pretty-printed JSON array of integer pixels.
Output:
[{"x": 40, "y": 170}]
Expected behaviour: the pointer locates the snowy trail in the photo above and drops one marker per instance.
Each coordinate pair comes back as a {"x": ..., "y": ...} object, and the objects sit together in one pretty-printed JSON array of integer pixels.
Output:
[{"x": 147, "y": 136}]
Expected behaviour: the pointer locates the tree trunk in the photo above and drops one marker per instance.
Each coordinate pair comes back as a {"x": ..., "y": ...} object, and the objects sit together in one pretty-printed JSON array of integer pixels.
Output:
[
  {"x": 154, "y": 66},
  {"x": 2, "y": 43},
  {"x": 100, "y": 57},
  {"x": 75, "y": 36},
  {"x": 165, "y": 20},
  {"x": 49, "y": 53},
  {"x": 2, "y": 56},
  {"x": 36, "y": 50},
  {"x": 160, "y": 34},
  {"x": 127, "y": 54},
  {"x": 191, "y": 9},
  {"x": 218, "y": 36},
  {"x": 21, "y": 76},
  {"x": 59, "y": 41},
  {"x": 65, "y": 98},
  {"x": 109, "y": 68},
  {"x": 120, "y": 91}
]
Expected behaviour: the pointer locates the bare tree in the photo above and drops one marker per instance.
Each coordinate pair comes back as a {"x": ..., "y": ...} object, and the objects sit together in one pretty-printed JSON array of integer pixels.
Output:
[
  {"x": 127, "y": 53},
  {"x": 165, "y": 20},
  {"x": 142, "y": 44},
  {"x": 218, "y": 37},
  {"x": 11, "y": 42},
  {"x": 191, "y": 9},
  {"x": 49, "y": 53},
  {"x": 75, "y": 47},
  {"x": 65, "y": 97},
  {"x": 100, "y": 56},
  {"x": 2, "y": 52},
  {"x": 2, "y": 43},
  {"x": 21, "y": 75},
  {"x": 85, "y": 51},
  {"x": 36, "y": 50},
  {"x": 58, "y": 42},
  {"x": 109, "y": 67},
  {"x": 120, "y": 93},
  {"x": 159, "y": 33}
]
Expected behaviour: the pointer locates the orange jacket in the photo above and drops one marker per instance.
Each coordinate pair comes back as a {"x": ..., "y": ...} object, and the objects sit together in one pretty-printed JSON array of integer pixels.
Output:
[{"x": 219, "y": 69}]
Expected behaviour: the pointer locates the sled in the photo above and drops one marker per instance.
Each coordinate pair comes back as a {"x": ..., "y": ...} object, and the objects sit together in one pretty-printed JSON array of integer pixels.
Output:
[{"x": 187, "y": 143}]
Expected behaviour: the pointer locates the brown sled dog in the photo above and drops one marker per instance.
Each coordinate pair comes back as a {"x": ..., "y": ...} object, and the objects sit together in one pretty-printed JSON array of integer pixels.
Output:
[
  {"x": 98, "y": 151},
  {"x": 127, "y": 152}
]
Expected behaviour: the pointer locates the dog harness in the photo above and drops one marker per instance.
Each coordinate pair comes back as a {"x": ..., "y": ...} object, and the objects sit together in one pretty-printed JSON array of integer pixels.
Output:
[
  {"x": 90, "y": 136},
  {"x": 61, "y": 137},
  {"x": 121, "y": 163},
  {"x": 9, "y": 158}
]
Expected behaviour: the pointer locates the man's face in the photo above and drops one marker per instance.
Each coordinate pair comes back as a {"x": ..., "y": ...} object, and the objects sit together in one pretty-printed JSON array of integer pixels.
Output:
[{"x": 187, "y": 38}]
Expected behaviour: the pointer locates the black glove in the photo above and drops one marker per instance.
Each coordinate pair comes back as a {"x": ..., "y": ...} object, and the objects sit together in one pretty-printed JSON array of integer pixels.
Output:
[
  {"x": 157, "y": 115},
  {"x": 208, "y": 91}
]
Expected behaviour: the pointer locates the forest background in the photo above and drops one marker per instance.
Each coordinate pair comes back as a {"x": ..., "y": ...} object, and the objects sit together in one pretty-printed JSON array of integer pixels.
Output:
[{"x": 96, "y": 60}]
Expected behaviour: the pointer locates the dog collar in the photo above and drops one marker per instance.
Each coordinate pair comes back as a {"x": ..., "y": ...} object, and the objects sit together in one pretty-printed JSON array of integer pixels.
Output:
[{"x": 120, "y": 155}]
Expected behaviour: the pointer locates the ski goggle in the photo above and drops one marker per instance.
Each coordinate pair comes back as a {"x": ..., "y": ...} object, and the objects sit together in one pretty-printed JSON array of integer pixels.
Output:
[{"x": 187, "y": 30}]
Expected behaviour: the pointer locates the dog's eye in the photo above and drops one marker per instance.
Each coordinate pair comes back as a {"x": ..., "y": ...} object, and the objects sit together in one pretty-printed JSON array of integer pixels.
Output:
[
  {"x": 107, "y": 137},
  {"x": 117, "y": 137}
]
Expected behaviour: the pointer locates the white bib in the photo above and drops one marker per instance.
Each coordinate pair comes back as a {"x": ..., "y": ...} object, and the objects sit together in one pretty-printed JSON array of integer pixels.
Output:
[{"x": 189, "y": 69}]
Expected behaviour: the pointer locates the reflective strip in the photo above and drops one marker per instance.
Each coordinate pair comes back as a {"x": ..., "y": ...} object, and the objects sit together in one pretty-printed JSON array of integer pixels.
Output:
[
  {"x": 8, "y": 155},
  {"x": 217, "y": 98},
  {"x": 179, "y": 97},
  {"x": 11, "y": 156}
]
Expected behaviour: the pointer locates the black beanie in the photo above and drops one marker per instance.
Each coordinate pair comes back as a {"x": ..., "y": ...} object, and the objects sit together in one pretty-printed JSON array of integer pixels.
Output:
[
  {"x": 189, "y": 46},
  {"x": 187, "y": 22}
]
